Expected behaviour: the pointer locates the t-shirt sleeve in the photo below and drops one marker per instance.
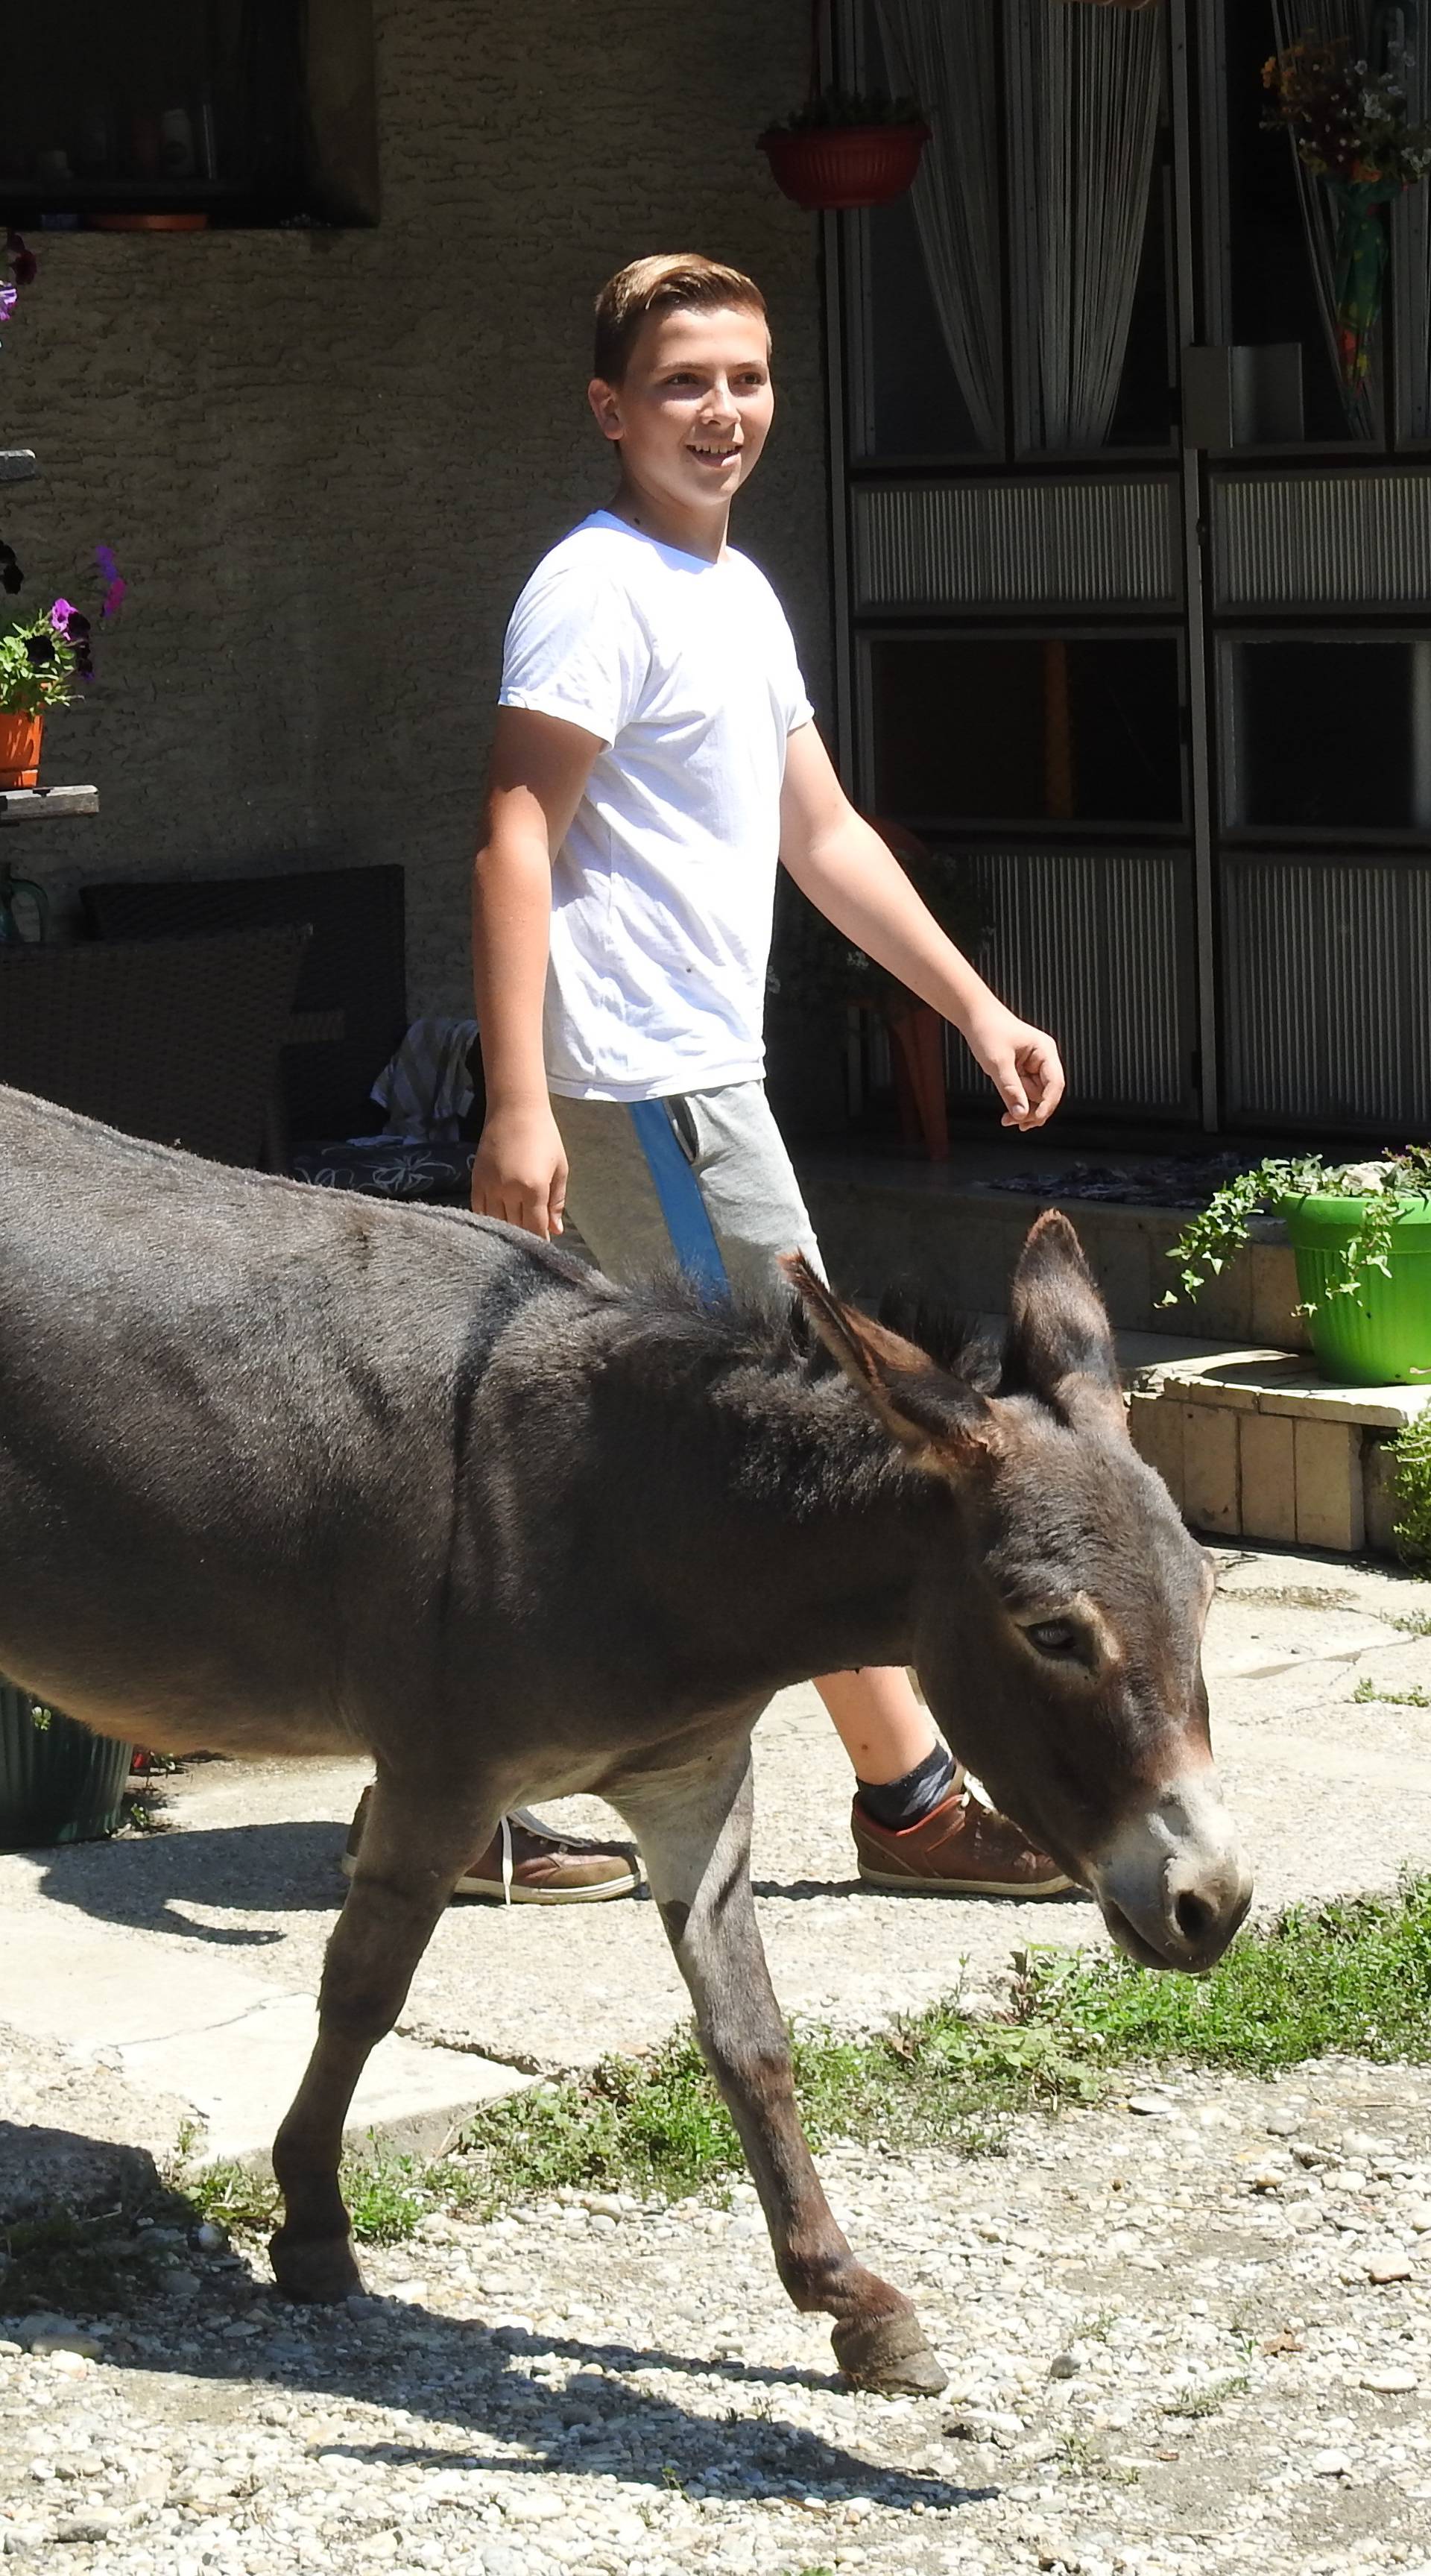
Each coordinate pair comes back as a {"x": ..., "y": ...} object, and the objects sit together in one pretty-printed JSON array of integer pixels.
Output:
[
  {"x": 798, "y": 710},
  {"x": 575, "y": 649}
]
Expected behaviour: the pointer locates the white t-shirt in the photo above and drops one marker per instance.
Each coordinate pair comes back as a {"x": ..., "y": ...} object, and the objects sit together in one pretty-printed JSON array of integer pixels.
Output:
[{"x": 664, "y": 888}]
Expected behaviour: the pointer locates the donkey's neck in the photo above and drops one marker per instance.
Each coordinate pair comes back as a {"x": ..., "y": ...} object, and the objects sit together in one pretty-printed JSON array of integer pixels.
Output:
[{"x": 777, "y": 1508}]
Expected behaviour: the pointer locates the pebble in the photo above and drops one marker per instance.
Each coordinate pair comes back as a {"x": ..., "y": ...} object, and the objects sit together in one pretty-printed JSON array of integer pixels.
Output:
[
  {"x": 65, "y": 2343},
  {"x": 1149, "y": 2106},
  {"x": 1390, "y": 2380},
  {"x": 1330, "y": 2464},
  {"x": 1385, "y": 2268}
]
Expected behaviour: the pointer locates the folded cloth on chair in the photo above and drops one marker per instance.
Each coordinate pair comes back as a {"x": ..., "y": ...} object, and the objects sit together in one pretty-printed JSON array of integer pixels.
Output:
[{"x": 427, "y": 1089}]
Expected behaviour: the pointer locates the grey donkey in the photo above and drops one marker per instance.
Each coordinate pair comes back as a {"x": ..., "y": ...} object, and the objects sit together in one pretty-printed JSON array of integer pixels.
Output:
[{"x": 289, "y": 1472}]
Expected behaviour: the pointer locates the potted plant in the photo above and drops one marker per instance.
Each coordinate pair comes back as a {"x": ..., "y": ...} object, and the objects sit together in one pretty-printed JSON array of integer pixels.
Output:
[
  {"x": 816, "y": 969},
  {"x": 844, "y": 148},
  {"x": 58, "y": 1783},
  {"x": 45, "y": 662},
  {"x": 1361, "y": 1237}
]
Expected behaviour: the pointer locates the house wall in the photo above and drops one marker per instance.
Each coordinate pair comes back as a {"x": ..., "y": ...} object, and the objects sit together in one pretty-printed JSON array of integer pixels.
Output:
[{"x": 327, "y": 460}]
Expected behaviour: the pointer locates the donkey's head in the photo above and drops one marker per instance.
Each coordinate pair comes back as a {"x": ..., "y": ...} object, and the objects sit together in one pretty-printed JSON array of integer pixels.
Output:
[{"x": 1060, "y": 1605}]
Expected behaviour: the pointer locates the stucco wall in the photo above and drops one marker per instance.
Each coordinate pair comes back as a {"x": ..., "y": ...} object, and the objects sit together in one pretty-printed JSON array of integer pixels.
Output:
[{"x": 326, "y": 461}]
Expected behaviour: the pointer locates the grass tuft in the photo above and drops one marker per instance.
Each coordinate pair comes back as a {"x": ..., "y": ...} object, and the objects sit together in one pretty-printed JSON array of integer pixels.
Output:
[
  {"x": 1352, "y": 1977},
  {"x": 1367, "y": 1690}
]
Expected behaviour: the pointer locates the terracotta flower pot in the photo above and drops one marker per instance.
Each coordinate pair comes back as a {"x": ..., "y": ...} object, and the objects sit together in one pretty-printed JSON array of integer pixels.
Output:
[
  {"x": 20, "y": 750},
  {"x": 834, "y": 168}
]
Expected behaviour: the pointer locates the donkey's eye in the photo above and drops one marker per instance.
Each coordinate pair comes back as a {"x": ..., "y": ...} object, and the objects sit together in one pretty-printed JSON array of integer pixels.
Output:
[{"x": 1058, "y": 1638}]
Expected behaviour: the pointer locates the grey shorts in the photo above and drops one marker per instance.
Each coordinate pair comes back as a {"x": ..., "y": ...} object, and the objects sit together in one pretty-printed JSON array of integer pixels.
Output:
[{"x": 701, "y": 1179}]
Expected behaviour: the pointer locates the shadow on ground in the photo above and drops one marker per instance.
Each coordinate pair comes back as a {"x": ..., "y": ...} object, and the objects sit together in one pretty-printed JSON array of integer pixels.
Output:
[
  {"x": 453, "y": 2371},
  {"x": 282, "y": 1868}
]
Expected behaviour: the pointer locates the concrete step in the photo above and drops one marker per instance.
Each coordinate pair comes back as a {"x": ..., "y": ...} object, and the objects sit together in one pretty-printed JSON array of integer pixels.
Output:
[
  {"x": 1254, "y": 1445},
  {"x": 188, "y": 2024},
  {"x": 937, "y": 1228}
]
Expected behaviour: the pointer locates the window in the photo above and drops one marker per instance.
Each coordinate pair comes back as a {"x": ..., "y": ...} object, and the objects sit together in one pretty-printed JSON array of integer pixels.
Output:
[
  {"x": 1026, "y": 729},
  {"x": 1017, "y": 302},
  {"x": 238, "y": 111},
  {"x": 1327, "y": 735}
]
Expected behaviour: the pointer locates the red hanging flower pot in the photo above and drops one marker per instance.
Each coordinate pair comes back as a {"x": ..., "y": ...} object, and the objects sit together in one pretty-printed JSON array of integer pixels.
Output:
[{"x": 833, "y": 169}]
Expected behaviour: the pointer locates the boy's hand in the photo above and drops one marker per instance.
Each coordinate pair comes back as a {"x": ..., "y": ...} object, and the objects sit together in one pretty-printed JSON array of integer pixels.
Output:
[
  {"x": 1021, "y": 1062},
  {"x": 520, "y": 1170}
]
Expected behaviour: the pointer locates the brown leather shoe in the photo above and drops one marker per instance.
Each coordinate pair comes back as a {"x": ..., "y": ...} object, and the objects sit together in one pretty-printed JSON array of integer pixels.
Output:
[
  {"x": 959, "y": 1849},
  {"x": 525, "y": 1863}
]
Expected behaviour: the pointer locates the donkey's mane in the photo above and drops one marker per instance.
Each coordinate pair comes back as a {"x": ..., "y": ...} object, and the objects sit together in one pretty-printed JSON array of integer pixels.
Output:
[{"x": 772, "y": 1333}]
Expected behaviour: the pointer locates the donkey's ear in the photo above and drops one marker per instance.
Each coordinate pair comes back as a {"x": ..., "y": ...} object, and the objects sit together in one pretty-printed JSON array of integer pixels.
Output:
[
  {"x": 1060, "y": 1343},
  {"x": 941, "y": 1422}
]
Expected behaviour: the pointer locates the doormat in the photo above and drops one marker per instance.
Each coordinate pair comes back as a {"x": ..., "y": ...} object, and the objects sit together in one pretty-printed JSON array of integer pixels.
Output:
[{"x": 1172, "y": 1181}]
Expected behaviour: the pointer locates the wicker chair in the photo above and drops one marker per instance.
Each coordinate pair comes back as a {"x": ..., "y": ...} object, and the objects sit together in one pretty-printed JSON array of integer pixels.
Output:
[
  {"x": 351, "y": 1006},
  {"x": 174, "y": 1039}
]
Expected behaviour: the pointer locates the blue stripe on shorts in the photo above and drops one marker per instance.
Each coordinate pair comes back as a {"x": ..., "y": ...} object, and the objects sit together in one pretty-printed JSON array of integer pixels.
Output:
[{"x": 688, "y": 1222}]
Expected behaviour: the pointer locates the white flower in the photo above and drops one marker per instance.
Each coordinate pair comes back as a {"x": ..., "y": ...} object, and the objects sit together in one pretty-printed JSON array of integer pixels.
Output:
[{"x": 1361, "y": 1180}]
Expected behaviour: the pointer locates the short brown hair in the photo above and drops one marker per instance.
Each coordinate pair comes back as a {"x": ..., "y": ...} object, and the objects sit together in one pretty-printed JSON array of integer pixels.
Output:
[{"x": 669, "y": 282}]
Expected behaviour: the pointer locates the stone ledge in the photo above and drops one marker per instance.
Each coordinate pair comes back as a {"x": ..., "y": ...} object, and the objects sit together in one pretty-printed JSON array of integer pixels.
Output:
[
  {"x": 1280, "y": 1382},
  {"x": 1252, "y": 1445}
]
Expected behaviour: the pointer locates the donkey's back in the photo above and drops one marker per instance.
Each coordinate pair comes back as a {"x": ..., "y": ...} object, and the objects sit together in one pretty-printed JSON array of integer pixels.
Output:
[{"x": 230, "y": 1413}]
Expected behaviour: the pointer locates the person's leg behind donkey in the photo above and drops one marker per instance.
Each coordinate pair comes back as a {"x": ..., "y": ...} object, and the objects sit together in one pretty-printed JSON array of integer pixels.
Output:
[{"x": 704, "y": 1179}]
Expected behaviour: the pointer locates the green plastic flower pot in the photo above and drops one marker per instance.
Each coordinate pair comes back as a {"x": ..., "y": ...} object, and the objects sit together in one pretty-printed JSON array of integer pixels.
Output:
[
  {"x": 58, "y": 1783},
  {"x": 1380, "y": 1335}
]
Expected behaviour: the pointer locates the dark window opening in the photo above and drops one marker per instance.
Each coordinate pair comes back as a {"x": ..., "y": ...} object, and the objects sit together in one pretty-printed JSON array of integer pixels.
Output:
[
  {"x": 238, "y": 111},
  {"x": 1332, "y": 736},
  {"x": 1018, "y": 730}
]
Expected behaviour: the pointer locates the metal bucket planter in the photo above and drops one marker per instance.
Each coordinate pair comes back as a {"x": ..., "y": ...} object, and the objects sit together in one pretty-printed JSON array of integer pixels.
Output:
[
  {"x": 58, "y": 1783},
  {"x": 1380, "y": 1335}
]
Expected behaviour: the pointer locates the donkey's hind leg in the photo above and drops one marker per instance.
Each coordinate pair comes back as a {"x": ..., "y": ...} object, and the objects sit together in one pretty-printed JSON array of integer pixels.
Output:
[
  {"x": 694, "y": 1829},
  {"x": 413, "y": 1849}
]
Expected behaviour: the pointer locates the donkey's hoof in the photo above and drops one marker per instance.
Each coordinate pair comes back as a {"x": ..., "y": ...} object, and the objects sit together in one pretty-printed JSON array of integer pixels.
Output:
[
  {"x": 314, "y": 2269},
  {"x": 888, "y": 2353}
]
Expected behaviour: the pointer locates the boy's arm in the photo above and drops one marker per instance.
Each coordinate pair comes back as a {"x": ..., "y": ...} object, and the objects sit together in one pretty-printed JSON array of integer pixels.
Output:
[
  {"x": 538, "y": 769},
  {"x": 843, "y": 866}
]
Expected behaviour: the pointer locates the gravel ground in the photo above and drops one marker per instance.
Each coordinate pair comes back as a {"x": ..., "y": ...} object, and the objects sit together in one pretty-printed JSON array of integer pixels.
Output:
[{"x": 1190, "y": 2329}]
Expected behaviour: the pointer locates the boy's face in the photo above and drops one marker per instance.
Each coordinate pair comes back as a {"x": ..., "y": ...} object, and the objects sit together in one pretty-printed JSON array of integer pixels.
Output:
[{"x": 693, "y": 408}]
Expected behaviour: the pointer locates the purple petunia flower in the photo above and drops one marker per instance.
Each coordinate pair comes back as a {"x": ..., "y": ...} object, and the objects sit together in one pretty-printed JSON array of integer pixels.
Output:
[
  {"x": 9, "y": 298},
  {"x": 61, "y": 614}
]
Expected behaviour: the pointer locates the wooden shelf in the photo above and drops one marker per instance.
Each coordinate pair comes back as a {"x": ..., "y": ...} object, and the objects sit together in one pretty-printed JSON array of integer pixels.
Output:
[
  {"x": 46, "y": 804},
  {"x": 17, "y": 464}
]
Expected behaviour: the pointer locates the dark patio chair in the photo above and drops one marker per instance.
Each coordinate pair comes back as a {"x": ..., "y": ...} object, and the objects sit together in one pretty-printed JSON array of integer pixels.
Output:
[
  {"x": 174, "y": 1039},
  {"x": 351, "y": 1006}
]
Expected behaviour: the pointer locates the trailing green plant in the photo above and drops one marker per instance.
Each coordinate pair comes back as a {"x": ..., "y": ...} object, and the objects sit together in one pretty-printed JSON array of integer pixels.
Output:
[
  {"x": 1384, "y": 1186},
  {"x": 1411, "y": 1476}
]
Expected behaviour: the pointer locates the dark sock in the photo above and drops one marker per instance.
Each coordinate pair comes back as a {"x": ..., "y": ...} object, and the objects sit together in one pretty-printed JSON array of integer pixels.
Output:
[{"x": 898, "y": 1803}]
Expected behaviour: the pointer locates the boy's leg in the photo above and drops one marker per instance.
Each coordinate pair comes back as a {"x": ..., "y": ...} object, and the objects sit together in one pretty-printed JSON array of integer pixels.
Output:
[{"x": 703, "y": 1180}]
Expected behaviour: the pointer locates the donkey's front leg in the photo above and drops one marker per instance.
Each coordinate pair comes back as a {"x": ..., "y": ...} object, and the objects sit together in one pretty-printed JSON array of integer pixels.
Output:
[
  {"x": 694, "y": 1830},
  {"x": 412, "y": 1853}
]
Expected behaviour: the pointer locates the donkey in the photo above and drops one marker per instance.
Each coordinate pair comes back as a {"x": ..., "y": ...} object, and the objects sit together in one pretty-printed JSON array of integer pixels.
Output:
[{"x": 288, "y": 1472}]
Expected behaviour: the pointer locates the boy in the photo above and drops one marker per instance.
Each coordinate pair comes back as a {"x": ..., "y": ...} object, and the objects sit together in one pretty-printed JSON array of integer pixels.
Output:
[{"x": 654, "y": 755}]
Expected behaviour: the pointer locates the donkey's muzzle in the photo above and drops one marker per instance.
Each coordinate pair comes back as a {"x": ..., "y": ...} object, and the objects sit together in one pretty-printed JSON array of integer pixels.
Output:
[{"x": 1174, "y": 1883}]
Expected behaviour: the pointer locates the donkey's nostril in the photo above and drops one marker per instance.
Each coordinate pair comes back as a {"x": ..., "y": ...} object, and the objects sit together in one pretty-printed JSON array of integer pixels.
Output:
[{"x": 1194, "y": 1918}]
